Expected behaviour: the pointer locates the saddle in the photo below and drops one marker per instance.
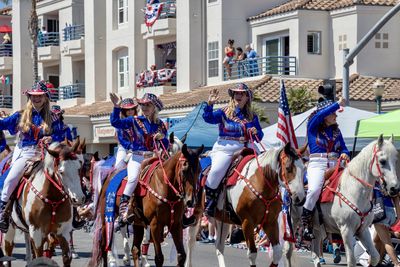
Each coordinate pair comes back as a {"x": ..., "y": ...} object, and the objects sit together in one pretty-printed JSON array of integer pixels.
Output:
[
  {"x": 239, "y": 160},
  {"x": 332, "y": 179}
]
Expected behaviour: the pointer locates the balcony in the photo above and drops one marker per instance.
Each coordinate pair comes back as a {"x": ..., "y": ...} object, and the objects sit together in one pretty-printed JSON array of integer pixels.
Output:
[
  {"x": 273, "y": 65},
  {"x": 48, "y": 47},
  {"x": 73, "y": 41},
  {"x": 165, "y": 26},
  {"x": 6, "y": 61},
  {"x": 76, "y": 90},
  {"x": 157, "y": 82},
  {"x": 5, "y": 101}
]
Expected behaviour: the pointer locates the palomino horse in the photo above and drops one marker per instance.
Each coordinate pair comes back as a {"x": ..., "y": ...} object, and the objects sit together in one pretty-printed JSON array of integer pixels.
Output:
[
  {"x": 350, "y": 213},
  {"x": 45, "y": 203},
  {"x": 256, "y": 201}
]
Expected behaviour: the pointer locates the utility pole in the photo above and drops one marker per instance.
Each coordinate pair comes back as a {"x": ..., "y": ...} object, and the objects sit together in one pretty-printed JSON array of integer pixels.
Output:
[{"x": 349, "y": 56}]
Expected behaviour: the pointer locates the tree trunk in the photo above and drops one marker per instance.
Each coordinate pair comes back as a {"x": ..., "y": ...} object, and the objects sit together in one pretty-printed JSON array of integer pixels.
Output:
[{"x": 34, "y": 30}]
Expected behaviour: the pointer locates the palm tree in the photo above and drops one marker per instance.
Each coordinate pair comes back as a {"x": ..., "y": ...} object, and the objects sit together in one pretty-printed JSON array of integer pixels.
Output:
[
  {"x": 33, "y": 31},
  {"x": 300, "y": 100}
]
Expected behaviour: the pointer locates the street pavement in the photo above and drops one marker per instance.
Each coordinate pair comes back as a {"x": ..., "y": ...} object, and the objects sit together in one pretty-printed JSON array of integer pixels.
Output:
[{"x": 204, "y": 254}]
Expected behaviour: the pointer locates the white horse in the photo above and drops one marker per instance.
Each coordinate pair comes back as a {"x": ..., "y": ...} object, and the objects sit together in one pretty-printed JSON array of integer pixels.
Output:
[
  {"x": 277, "y": 167},
  {"x": 375, "y": 162},
  {"x": 47, "y": 199}
]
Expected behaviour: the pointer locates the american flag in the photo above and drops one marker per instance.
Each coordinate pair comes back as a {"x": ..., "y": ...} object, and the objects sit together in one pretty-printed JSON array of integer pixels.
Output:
[{"x": 285, "y": 131}]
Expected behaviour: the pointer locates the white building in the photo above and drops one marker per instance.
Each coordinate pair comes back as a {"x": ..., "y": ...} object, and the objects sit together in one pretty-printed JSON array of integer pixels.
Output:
[{"x": 91, "y": 48}]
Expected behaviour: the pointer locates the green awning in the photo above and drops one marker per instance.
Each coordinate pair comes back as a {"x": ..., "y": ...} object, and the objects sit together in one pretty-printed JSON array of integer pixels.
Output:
[{"x": 387, "y": 124}]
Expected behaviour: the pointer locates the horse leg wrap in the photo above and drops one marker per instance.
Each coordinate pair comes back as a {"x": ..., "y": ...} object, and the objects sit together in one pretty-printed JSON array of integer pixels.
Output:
[{"x": 145, "y": 249}]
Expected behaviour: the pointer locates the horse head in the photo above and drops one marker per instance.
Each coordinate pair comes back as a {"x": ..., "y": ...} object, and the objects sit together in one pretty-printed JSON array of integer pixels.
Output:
[
  {"x": 189, "y": 173},
  {"x": 383, "y": 165},
  {"x": 62, "y": 159},
  {"x": 291, "y": 173},
  {"x": 175, "y": 144}
]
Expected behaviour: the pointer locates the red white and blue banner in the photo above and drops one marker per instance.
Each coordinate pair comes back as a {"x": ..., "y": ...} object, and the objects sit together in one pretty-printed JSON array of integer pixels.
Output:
[{"x": 152, "y": 12}]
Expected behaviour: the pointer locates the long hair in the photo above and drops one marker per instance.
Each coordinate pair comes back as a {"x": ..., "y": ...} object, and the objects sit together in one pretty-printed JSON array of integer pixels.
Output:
[
  {"x": 154, "y": 117},
  {"x": 124, "y": 112},
  {"x": 247, "y": 110},
  {"x": 25, "y": 122}
]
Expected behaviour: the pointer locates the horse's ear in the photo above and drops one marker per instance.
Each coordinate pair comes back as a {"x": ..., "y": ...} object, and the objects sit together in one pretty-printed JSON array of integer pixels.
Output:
[
  {"x": 183, "y": 139},
  {"x": 391, "y": 139},
  {"x": 54, "y": 153},
  {"x": 287, "y": 148},
  {"x": 185, "y": 151},
  {"x": 171, "y": 138},
  {"x": 76, "y": 144},
  {"x": 380, "y": 141},
  {"x": 199, "y": 150}
]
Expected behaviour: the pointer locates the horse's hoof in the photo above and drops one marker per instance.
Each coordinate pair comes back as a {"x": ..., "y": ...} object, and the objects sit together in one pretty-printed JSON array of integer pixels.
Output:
[{"x": 75, "y": 255}]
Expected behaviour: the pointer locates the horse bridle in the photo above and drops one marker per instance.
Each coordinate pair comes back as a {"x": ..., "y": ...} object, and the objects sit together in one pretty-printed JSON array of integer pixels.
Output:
[
  {"x": 381, "y": 176},
  {"x": 282, "y": 173}
]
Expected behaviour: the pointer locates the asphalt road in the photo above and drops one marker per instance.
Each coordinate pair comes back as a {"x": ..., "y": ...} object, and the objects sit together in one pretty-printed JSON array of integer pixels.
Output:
[{"x": 204, "y": 254}]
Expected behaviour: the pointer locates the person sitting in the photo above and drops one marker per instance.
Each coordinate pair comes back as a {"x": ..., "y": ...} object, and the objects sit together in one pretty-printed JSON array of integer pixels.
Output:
[
  {"x": 326, "y": 145},
  {"x": 236, "y": 123},
  {"x": 146, "y": 129},
  {"x": 126, "y": 137},
  {"x": 34, "y": 124},
  {"x": 63, "y": 131}
]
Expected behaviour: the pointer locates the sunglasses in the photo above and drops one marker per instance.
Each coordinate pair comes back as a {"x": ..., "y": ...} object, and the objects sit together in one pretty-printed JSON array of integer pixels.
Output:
[{"x": 148, "y": 104}]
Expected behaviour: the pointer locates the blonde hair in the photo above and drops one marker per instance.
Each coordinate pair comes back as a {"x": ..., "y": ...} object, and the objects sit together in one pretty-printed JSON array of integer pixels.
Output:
[
  {"x": 247, "y": 110},
  {"x": 25, "y": 123},
  {"x": 154, "y": 117}
]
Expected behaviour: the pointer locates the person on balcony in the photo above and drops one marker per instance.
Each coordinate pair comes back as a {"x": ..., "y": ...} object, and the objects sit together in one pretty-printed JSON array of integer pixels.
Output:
[
  {"x": 35, "y": 124},
  {"x": 236, "y": 123},
  {"x": 241, "y": 66},
  {"x": 6, "y": 39},
  {"x": 148, "y": 129},
  {"x": 229, "y": 54},
  {"x": 62, "y": 129},
  {"x": 252, "y": 60}
]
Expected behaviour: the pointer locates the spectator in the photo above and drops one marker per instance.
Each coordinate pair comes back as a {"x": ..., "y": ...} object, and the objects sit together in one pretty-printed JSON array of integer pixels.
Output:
[
  {"x": 229, "y": 54},
  {"x": 211, "y": 232},
  {"x": 240, "y": 56},
  {"x": 382, "y": 238},
  {"x": 6, "y": 39},
  {"x": 252, "y": 60}
]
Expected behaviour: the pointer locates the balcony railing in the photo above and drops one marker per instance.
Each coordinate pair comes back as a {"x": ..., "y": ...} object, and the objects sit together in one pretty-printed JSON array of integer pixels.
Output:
[
  {"x": 70, "y": 91},
  {"x": 159, "y": 77},
  {"x": 168, "y": 9},
  {"x": 5, "y": 50},
  {"x": 74, "y": 32},
  {"x": 261, "y": 66},
  {"x": 48, "y": 39},
  {"x": 5, "y": 101}
]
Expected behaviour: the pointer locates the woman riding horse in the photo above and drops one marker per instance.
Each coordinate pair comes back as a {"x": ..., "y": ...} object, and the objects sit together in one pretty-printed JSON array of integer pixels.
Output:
[
  {"x": 126, "y": 137},
  {"x": 33, "y": 124},
  {"x": 62, "y": 128},
  {"x": 236, "y": 121},
  {"x": 326, "y": 145},
  {"x": 145, "y": 129}
]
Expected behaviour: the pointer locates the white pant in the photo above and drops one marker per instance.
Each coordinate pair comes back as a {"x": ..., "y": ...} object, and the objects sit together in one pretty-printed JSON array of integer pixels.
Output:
[
  {"x": 20, "y": 156},
  {"x": 120, "y": 156},
  {"x": 221, "y": 157},
  {"x": 315, "y": 176},
  {"x": 133, "y": 174}
]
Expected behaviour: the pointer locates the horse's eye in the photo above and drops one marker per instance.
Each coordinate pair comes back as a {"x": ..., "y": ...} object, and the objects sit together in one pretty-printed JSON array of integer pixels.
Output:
[{"x": 383, "y": 162}]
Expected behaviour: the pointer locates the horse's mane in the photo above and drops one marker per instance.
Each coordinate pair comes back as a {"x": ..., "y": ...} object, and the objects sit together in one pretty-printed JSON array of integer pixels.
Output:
[{"x": 359, "y": 165}]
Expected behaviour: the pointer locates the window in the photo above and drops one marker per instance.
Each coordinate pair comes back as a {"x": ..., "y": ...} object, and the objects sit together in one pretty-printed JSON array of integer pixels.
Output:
[
  {"x": 382, "y": 40},
  {"x": 342, "y": 41},
  {"x": 212, "y": 1},
  {"x": 314, "y": 42},
  {"x": 122, "y": 11},
  {"x": 213, "y": 62},
  {"x": 123, "y": 72}
]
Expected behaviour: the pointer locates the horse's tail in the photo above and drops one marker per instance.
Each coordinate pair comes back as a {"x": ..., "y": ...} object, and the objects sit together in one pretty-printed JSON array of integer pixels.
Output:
[{"x": 95, "y": 260}]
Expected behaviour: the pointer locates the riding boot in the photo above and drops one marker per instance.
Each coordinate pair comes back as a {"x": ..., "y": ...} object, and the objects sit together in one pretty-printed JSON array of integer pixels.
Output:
[
  {"x": 211, "y": 201},
  {"x": 4, "y": 217},
  {"x": 307, "y": 220},
  {"x": 123, "y": 209},
  {"x": 188, "y": 221}
]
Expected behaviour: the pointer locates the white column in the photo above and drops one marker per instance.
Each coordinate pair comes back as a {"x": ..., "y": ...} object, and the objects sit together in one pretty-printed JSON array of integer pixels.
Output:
[
  {"x": 189, "y": 45},
  {"x": 95, "y": 50},
  {"x": 22, "y": 56}
]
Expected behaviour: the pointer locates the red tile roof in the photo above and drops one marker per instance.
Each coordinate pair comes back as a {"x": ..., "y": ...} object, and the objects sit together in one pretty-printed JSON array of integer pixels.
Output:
[{"x": 322, "y": 5}]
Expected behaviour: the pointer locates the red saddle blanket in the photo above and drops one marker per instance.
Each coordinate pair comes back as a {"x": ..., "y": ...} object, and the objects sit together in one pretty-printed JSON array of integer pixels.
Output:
[
  {"x": 330, "y": 186},
  {"x": 233, "y": 175},
  {"x": 145, "y": 175}
]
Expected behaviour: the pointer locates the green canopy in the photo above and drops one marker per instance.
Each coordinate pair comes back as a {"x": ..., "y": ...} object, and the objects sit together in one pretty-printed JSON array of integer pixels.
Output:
[{"x": 386, "y": 124}]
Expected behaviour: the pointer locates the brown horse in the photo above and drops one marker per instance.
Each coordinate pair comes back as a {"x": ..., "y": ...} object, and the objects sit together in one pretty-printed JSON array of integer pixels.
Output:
[
  {"x": 170, "y": 189},
  {"x": 46, "y": 200},
  {"x": 256, "y": 200}
]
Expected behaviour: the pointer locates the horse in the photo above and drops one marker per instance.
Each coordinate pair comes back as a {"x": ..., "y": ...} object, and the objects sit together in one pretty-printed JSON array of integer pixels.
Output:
[
  {"x": 101, "y": 182},
  {"x": 45, "y": 203},
  {"x": 255, "y": 199},
  {"x": 350, "y": 212}
]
